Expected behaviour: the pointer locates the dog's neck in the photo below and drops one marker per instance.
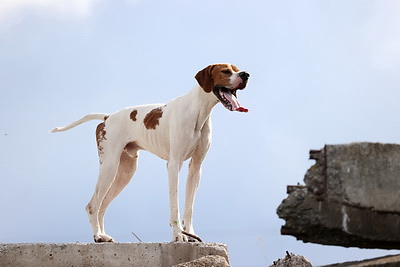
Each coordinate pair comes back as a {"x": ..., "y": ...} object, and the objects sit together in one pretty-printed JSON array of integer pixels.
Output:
[{"x": 203, "y": 107}]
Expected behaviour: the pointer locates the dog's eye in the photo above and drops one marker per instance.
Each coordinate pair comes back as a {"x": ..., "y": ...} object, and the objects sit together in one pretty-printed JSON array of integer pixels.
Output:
[{"x": 226, "y": 71}]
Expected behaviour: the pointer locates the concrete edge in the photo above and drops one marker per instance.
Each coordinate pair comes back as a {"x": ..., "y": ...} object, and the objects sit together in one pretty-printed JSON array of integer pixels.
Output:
[{"x": 107, "y": 254}]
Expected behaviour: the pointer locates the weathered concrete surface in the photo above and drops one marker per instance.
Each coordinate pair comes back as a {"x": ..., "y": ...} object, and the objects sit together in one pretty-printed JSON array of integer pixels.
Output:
[
  {"x": 206, "y": 261},
  {"x": 351, "y": 197},
  {"x": 108, "y": 254},
  {"x": 387, "y": 261},
  {"x": 292, "y": 260}
]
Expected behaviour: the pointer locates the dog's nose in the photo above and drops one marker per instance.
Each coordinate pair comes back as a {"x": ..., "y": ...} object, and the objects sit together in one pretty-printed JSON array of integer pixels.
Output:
[{"x": 244, "y": 75}]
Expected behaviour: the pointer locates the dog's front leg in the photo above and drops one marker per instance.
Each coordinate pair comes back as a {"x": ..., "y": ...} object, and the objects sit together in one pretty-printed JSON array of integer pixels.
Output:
[
  {"x": 192, "y": 184},
  {"x": 194, "y": 178},
  {"x": 174, "y": 167}
]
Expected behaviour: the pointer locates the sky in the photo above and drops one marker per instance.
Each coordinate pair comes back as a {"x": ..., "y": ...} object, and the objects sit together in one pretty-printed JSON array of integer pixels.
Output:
[{"x": 322, "y": 72}]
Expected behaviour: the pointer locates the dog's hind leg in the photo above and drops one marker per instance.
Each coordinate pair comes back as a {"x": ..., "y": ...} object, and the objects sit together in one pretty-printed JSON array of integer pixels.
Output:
[
  {"x": 126, "y": 169},
  {"x": 109, "y": 155}
]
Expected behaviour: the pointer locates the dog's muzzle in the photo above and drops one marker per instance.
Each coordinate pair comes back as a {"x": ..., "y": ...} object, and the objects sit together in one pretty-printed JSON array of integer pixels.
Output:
[{"x": 228, "y": 97}]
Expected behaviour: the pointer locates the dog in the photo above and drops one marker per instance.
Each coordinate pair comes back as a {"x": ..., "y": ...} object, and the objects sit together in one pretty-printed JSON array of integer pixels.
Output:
[{"x": 176, "y": 131}]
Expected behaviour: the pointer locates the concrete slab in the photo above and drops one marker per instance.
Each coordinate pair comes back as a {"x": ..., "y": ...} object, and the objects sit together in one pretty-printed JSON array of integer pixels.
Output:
[
  {"x": 351, "y": 197},
  {"x": 386, "y": 261},
  {"x": 107, "y": 254}
]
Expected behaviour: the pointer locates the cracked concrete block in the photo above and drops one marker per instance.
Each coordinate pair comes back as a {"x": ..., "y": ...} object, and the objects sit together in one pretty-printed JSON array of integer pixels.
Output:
[
  {"x": 351, "y": 197},
  {"x": 107, "y": 254}
]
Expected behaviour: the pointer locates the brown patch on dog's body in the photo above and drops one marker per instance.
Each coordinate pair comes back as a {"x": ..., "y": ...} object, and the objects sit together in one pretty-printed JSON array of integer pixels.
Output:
[
  {"x": 100, "y": 137},
  {"x": 100, "y": 133},
  {"x": 133, "y": 115},
  {"x": 152, "y": 118}
]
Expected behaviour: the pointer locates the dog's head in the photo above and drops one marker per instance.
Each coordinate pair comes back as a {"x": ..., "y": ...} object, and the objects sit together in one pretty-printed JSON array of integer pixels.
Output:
[{"x": 223, "y": 80}]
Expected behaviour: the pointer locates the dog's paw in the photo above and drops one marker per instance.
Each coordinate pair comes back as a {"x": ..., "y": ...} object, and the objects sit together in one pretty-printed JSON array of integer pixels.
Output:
[
  {"x": 192, "y": 237},
  {"x": 102, "y": 238},
  {"x": 179, "y": 237}
]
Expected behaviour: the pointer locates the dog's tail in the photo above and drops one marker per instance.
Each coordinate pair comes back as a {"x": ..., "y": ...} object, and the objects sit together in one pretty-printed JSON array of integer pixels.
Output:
[{"x": 89, "y": 117}]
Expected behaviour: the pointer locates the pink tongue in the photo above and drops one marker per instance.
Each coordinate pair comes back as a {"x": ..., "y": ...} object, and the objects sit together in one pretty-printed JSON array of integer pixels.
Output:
[
  {"x": 234, "y": 102},
  {"x": 231, "y": 98}
]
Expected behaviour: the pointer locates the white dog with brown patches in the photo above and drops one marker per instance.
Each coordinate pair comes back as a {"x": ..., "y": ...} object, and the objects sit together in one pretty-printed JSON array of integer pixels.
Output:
[{"x": 175, "y": 131}]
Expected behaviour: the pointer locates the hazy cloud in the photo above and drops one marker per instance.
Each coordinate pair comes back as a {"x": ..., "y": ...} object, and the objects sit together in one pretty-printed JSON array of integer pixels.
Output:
[
  {"x": 11, "y": 11},
  {"x": 379, "y": 29}
]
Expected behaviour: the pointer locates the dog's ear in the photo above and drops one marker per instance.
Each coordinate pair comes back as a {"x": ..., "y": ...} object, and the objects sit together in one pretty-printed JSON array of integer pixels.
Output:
[
  {"x": 205, "y": 79},
  {"x": 236, "y": 69}
]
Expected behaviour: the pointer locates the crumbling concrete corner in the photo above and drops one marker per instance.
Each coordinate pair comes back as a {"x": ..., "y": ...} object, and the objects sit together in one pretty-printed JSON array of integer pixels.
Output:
[{"x": 351, "y": 198}]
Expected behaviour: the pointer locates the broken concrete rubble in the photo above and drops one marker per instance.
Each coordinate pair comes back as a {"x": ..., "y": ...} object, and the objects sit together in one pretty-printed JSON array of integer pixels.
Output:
[
  {"x": 292, "y": 260},
  {"x": 206, "y": 261},
  {"x": 351, "y": 198}
]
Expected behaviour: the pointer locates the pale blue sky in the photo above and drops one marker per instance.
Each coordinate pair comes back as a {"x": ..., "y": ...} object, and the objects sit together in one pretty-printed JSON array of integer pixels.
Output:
[{"x": 322, "y": 72}]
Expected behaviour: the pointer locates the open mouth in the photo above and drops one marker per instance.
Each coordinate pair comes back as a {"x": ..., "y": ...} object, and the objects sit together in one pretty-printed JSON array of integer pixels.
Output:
[{"x": 228, "y": 98}]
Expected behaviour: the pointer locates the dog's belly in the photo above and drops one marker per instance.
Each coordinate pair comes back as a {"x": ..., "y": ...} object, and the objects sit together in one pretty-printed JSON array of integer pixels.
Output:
[
  {"x": 160, "y": 143},
  {"x": 160, "y": 149}
]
